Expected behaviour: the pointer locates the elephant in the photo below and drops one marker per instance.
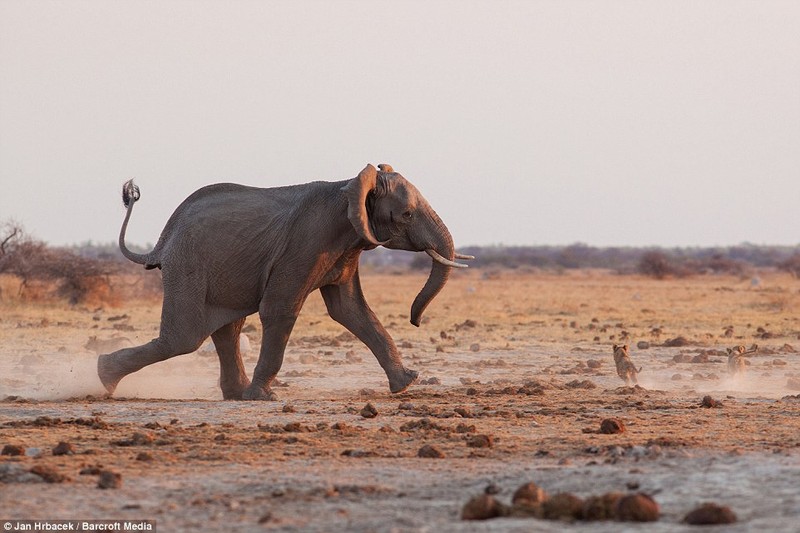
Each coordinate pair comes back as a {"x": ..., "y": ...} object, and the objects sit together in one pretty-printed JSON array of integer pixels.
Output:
[{"x": 229, "y": 251}]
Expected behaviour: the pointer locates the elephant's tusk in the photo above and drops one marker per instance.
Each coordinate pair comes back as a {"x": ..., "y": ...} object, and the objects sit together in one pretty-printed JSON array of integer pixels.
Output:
[
  {"x": 436, "y": 257},
  {"x": 464, "y": 256}
]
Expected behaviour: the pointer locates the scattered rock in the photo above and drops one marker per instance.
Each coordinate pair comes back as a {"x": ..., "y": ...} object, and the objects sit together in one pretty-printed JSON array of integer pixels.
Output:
[
  {"x": 709, "y": 402},
  {"x": 610, "y": 426},
  {"x": 639, "y": 507},
  {"x": 710, "y": 514},
  {"x": 369, "y": 411},
  {"x": 676, "y": 377},
  {"x": 677, "y": 342},
  {"x": 137, "y": 439},
  {"x": 643, "y": 345},
  {"x": 13, "y": 449},
  {"x": 482, "y": 507},
  {"x": 144, "y": 456},
  {"x": 109, "y": 480},
  {"x": 468, "y": 323},
  {"x": 480, "y": 441},
  {"x": 594, "y": 364},
  {"x": 793, "y": 384},
  {"x": 475, "y": 347},
  {"x": 682, "y": 358},
  {"x": 358, "y": 452},
  {"x": 602, "y": 507},
  {"x": 491, "y": 488},
  {"x": 430, "y": 452},
  {"x": 585, "y": 384},
  {"x": 63, "y": 448},
  {"x": 562, "y": 506},
  {"x": 16, "y": 473},
  {"x": 49, "y": 474},
  {"x": 529, "y": 493}
]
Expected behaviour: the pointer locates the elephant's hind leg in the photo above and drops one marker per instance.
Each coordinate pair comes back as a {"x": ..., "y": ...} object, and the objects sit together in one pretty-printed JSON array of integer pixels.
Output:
[
  {"x": 184, "y": 327},
  {"x": 112, "y": 367},
  {"x": 232, "y": 378}
]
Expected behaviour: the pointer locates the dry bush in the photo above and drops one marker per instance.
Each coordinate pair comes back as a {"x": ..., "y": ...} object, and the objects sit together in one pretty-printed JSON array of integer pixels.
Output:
[
  {"x": 44, "y": 272},
  {"x": 791, "y": 265},
  {"x": 656, "y": 265}
]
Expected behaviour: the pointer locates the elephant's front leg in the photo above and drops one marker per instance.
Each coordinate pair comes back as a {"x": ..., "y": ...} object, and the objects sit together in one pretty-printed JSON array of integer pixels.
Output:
[
  {"x": 346, "y": 304},
  {"x": 276, "y": 331}
]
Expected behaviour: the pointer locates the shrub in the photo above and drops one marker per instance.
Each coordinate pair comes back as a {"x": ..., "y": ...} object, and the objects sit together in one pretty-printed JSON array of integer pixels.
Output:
[{"x": 655, "y": 264}]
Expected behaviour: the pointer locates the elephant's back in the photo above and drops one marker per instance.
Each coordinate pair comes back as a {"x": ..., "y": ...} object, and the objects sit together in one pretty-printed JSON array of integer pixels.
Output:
[{"x": 222, "y": 220}]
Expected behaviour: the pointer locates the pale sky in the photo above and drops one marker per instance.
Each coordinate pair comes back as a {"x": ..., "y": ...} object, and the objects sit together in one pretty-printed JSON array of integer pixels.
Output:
[{"x": 671, "y": 123}]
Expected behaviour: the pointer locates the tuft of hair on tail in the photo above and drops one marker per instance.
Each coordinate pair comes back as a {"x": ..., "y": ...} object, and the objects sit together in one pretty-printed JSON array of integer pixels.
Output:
[{"x": 130, "y": 193}]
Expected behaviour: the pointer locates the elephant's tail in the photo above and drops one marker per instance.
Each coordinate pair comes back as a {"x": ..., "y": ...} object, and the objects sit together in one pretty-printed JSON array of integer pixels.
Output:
[{"x": 130, "y": 195}]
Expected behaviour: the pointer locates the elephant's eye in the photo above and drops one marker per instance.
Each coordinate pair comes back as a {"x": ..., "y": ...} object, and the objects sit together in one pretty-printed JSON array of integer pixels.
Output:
[{"x": 407, "y": 215}]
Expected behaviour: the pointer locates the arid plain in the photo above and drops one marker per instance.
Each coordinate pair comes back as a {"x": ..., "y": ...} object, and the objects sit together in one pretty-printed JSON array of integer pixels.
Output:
[{"x": 516, "y": 376}]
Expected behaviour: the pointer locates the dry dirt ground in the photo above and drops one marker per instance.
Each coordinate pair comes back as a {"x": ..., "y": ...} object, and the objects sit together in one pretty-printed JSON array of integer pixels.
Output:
[{"x": 516, "y": 375}]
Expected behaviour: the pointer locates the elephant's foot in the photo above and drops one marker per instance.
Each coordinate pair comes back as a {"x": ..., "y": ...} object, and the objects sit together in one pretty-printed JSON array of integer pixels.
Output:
[
  {"x": 109, "y": 373},
  {"x": 403, "y": 381},
  {"x": 234, "y": 390},
  {"x": 254, "y": 392}
]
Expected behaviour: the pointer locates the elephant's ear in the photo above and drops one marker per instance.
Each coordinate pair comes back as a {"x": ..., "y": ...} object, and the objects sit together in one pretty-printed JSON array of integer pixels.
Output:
[{"x": 357, "y": 190}]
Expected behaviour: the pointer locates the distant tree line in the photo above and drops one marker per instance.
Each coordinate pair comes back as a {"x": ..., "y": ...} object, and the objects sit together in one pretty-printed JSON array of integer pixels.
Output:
[
  {"x": 81, "y": 272},
  {"x": 651, "y": 261}
]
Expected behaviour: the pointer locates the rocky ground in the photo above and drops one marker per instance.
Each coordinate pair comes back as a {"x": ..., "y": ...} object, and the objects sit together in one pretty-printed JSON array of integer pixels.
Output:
[{"x": 517, "y": 377}]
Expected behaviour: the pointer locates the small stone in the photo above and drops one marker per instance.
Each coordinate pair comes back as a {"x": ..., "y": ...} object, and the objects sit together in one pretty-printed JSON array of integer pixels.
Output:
[
  {"x": 480, "y": 441},
  {"x": 137, "y": 439},
  {"x": 491, "y": 488},
  {"x": 676, "y": 342},
  {"x": 710, "y": 514},
  {"x": 13, "y": 449},
  {"x": 601, "y": 507},
  {"x": 611, "y": 426},
  {"x": 430, "y": 451},
  {"x": 529, "y": 493},
  {"x": 288, "y": 408},
  {"x": 144, "y": 456},
  {"x": 49, "y": 474},
  {"x": 709, "y": 402},
  {"x": 16, "y": 473},
  {"x": 639, "y": 507},
  {"x": 475, "y": 347},
  {"x": 63, "y": 448},
  {"x": 369, "y": 411},
  {"x": 482, "y": 507},
  {"x": 562, "y": 506},
  {"x": 594, "y": 364},
  {"x": 109, "y": 480}
]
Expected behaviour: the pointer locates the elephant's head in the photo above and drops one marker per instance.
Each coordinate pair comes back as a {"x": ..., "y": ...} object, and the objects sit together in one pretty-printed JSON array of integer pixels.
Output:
[{"x": 387, "y": 210}]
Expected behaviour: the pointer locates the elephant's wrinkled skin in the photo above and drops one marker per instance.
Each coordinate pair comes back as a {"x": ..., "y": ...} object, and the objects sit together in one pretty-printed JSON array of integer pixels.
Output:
[{"x": 229, "y": 251}]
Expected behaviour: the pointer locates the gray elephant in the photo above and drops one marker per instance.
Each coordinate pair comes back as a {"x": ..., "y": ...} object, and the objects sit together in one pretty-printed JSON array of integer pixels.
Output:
[{"x": 229, "y": 251}]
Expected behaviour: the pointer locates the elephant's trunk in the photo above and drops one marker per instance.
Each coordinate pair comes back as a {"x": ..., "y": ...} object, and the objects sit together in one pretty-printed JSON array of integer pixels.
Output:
[
  {"x": 436, "y": 280},
  {"x": 443, "y": 246}
]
